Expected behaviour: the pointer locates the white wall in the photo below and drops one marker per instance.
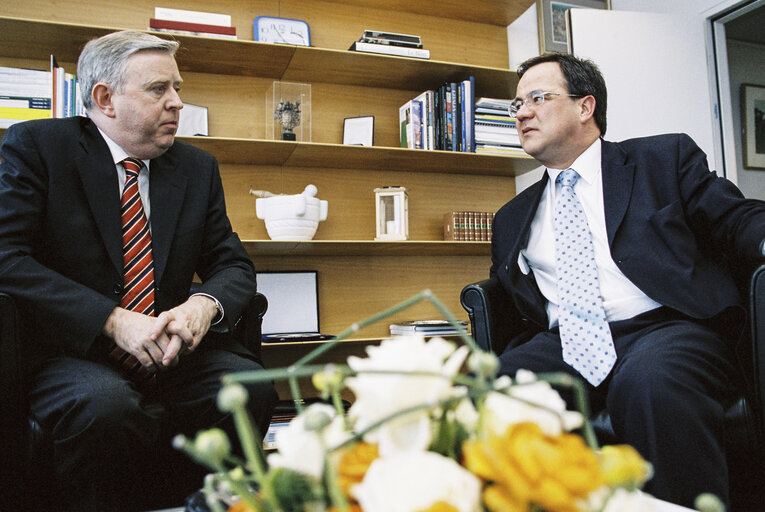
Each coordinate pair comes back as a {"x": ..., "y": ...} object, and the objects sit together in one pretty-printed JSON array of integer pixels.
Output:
[{"x": 694, "y": 15}]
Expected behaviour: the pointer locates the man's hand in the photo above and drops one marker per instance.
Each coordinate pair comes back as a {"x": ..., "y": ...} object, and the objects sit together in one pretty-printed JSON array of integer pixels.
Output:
[
  {"x": 188, "y": 322},
  {"x": 135, "y": 333}
]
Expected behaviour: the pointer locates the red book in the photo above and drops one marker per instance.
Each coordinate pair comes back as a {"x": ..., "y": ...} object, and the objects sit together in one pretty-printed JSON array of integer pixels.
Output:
[{"x": 191, "y": 27}]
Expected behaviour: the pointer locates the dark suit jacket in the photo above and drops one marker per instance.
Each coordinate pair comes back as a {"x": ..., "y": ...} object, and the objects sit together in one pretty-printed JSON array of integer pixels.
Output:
[
  {"x": 674, "y": 229},
  {"x": 61, "y": 241}
]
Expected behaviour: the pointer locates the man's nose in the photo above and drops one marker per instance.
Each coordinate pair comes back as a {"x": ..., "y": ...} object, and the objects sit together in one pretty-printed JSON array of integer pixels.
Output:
[
  {"x": 524, "y": 112},
  {"x": 174, "y": 102}
]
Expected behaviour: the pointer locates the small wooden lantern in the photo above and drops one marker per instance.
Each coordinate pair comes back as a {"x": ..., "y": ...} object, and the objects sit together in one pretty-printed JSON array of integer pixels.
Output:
[{"x": 392, "y": 213}]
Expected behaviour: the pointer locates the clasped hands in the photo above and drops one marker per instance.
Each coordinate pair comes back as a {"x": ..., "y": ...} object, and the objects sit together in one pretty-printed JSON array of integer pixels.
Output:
[{"x": 158, "y": 342}]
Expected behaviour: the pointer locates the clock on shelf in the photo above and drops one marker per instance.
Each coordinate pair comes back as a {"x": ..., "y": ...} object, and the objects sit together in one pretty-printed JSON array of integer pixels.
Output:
[{"x": 268, "y": 29}]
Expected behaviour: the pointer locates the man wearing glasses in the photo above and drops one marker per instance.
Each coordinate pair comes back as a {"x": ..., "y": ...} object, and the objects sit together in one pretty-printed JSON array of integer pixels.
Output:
[{"x": 616, "y": 263}]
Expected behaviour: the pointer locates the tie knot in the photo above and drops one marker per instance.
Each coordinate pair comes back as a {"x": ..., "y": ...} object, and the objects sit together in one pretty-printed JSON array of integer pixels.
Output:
[
  {"x": 568, "y": 177},
  {"x": 132, "y": 165}
]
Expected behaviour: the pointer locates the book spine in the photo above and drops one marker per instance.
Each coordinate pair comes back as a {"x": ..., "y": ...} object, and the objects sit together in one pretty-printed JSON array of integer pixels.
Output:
[
  {"x": 191, "y": 27},
  {"x": 404, "y": 115},
  {"x": 449, "y": 118},
  {"x": 455, "y": 116},
  {"x": 417, "y": 123},
  {"x": 400, "y": 51},
  {"x": 189, "y": 33}
]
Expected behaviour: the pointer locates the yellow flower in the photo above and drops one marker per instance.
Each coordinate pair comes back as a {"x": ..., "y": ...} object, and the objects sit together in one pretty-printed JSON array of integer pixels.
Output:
[
  {"x": 526, "y": 467},
  {"x": 353, "y": 465},
  {"x": 622, "y": 466}
]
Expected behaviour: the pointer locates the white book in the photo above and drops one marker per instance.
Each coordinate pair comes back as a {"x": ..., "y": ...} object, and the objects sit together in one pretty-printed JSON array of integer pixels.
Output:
[
  {"x": 192, "y": 33},
  {"x": 207, "y": 18},
  {"x": 401, "y": 51}
]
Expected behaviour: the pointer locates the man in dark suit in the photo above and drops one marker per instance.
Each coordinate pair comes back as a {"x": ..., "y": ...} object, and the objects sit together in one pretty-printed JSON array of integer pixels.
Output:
[
  {"x": 92, "y": 356},
  {"x": 663, "y": 236}
]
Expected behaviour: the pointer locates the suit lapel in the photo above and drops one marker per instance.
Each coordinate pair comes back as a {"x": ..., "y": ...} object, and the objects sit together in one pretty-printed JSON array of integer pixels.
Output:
[
  {"x": 167, "y": 188},
  {"x": 618, "y": 176},
  {"x": 101, "y": 186},
  {"x": 528, "y": 298}
]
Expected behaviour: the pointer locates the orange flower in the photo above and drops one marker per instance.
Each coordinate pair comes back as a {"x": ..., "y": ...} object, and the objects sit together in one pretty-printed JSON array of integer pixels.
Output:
[
  {"x": 526, "y": 467},
  {"x": 353, "y": 465},
  {"x": 439, "y": 507},
  {"x": 623, "y": 466},
  {"x": 240, "y": 506}
]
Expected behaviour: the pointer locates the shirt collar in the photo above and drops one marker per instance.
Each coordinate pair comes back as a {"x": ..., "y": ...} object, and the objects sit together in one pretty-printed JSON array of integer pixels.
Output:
[
  {"x": 587, "y": 165},
  {"x": 118, "y": 154}
]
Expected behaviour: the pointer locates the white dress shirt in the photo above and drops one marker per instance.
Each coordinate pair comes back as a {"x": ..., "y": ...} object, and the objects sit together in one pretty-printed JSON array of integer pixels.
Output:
[
  {"x": 118, "y": 155},
  {"x": 621, "y": 298}
]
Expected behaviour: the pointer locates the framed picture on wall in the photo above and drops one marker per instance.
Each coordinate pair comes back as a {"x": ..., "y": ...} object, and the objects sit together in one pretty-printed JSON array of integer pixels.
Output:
[
  {"x": 551, "y": 14},
  {"x": 753, "y": 125}
]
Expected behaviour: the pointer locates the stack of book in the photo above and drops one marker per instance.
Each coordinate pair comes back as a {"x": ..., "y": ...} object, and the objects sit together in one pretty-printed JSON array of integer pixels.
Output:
[
  {"x": 468, "y": 226},
  {"x": 24, "y": 94},
  {"x": 440, "y": 119},
  {"x": 390, "y": 43},
  {"x": 495, "y": 131},
  {"x": 36, "y": 94},
  {"x": 425, "y": 328},
  {"x": 194, "y": 23}
]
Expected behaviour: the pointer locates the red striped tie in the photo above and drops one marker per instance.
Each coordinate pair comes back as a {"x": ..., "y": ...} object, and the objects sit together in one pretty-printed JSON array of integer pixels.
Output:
[{"x": 138, "y": 293}]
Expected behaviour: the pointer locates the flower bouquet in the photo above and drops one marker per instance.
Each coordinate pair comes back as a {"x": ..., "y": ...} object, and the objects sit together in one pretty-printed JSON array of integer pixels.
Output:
[{"x": 432, "y": 429}]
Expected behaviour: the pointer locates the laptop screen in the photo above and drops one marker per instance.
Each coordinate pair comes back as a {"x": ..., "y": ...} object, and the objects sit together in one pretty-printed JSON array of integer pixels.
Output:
[{"x": 293, "y": 301}]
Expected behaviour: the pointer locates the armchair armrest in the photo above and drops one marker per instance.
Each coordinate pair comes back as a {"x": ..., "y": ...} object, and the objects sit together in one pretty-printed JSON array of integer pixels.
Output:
[
  {"x": 248, "y": 328},
  {"x": 757, "y": 318},
  {"x": 493, "y": 317}
]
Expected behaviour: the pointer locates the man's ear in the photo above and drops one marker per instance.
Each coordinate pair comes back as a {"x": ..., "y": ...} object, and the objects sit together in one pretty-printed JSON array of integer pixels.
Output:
[
  {"x": 588, "y": 108},
  {"x": 102, "y": 99}
]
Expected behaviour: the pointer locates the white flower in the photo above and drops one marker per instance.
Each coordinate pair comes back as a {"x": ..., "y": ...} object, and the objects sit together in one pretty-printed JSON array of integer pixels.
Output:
[
  {"x": 381, "y": 395},
  {"x": 301, "y": 447},
  {"x": 411, "y": 481},
  {"x": 529, "y": 400}
]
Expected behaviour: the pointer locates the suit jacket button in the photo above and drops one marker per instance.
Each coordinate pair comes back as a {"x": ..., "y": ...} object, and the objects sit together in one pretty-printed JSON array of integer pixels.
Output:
[{"x": 117, "y": 289}]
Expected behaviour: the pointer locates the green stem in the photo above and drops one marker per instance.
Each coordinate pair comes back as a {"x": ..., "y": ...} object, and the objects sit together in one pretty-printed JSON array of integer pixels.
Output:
[
  {"x": 219, "y": 468},
  {"x": 253, "y": 450}
]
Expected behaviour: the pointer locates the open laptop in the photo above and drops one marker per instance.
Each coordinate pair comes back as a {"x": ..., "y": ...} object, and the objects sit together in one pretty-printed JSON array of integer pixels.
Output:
[{"x": 293, "y": 306}]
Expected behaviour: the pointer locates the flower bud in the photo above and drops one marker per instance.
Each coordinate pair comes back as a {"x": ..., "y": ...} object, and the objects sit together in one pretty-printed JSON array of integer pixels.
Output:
[
  {"x": 213, "y": 445},
  {"x": 708, "y": 502},
  {"x": 483, "y": 363},
  {"x": 232, "y": 397},
  {"x": 328, "y": 380},
  {"x": 316, "y": 420}
]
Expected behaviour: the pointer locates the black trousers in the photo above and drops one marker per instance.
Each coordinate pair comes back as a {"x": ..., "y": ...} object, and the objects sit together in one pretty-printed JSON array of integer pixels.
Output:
[
  {"x": 112, "y": 451},
  {"x": 666, "y": 396}
]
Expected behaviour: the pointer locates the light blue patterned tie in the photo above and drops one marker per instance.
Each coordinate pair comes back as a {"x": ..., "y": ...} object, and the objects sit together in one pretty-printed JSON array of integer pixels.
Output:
[{"x": 584, "y": 333}]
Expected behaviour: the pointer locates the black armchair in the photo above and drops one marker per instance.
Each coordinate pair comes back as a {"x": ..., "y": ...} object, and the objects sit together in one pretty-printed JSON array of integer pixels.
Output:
[
  {"x": 24, "y": 449},
  {"x": 491, "y": 317}
]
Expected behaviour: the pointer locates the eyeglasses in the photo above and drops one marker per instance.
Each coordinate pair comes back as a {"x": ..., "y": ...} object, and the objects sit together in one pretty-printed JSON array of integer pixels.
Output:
[{"x": 535, "y": 99}]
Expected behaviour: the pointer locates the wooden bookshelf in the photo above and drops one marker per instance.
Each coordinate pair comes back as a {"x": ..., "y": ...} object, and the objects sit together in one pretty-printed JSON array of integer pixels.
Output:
[{"x": 357, "y": 275}]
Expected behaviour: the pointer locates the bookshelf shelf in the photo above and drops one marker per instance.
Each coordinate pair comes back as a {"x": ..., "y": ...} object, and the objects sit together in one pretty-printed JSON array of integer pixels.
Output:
[
  {"x": 306, "y": 154},
  {"x": 365, "y": 248},
  {"x": 35, "y": 39}
]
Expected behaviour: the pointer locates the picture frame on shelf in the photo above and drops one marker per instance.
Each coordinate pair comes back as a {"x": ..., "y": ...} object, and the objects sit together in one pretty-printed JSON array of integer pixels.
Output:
[
  {"x": 753, "y": 125},
  {"x": 359, "y": 131},
  {"x": 551, "y": 19}
]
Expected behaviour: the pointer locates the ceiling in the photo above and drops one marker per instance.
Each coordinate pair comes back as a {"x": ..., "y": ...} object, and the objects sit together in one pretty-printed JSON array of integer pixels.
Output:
[{"x": 748, "y": 28}]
